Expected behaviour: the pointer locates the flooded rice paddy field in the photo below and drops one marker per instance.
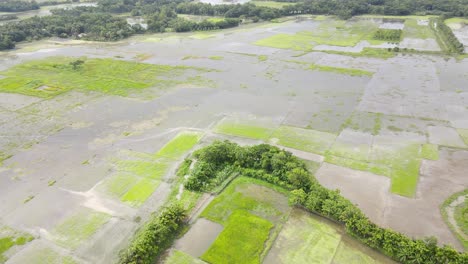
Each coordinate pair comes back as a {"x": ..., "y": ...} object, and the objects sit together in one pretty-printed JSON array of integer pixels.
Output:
[{"x": 83, "y": 168}]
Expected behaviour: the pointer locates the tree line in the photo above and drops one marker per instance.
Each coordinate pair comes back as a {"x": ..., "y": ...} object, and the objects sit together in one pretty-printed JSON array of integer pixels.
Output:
[
  {"x": 154, "y": 237},
  {"x": 97, "y": 23},
  {"x": 18, "y": 6},
  {"x": 279, "y": 167},
  {"x": 445, "y": 35}
]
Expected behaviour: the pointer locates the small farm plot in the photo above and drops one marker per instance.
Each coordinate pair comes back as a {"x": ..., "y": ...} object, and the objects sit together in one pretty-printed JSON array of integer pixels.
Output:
[
  {"x": 41, "y": 253},
  {"x": 139, "y": 174},
  {"x": 77, "y": 228},
  {"x": 382, "y": 156},
  {"x": 250, "y": 212},
  {"x": 309, "y": 239}
]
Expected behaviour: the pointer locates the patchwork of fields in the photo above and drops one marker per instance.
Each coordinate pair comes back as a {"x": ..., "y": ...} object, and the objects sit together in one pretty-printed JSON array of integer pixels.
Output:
[{"x": 91, "y": 136}]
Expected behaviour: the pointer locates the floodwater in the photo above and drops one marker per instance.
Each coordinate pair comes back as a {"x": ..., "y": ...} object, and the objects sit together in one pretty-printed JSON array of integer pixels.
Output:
[{"x": 73, "y": 139}]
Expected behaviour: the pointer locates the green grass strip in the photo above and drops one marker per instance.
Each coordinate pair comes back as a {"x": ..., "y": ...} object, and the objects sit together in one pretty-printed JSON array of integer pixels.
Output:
[
  {"x": 347, "y": 71},
  {"x": 430, "y": 152}
]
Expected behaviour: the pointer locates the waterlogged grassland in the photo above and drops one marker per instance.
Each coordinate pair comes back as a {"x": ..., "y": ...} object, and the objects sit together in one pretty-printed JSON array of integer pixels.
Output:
[
  {"x": 249, "y": 195},
  {"x": 308, "y": 239},
  {"x": 299, "y": 41},
  {"x": 77, "y": 228},
  {"x": 430, "y": 152},
  {"x": 52, "y": 76},
  {"x": 10, "y": 238},
  {"x": 347, "y": 71},
  {"x": 399, "y": 162},
  {"x": 349, "y": 255},
  {"x": 179, "y": 257},
  {"x": 139, "y": 174},
  {"x": 43, "y": 255},
  {"x": 414, "y": 30},
  {"x": 464, "y": 135},
  {"x": 303, "y": 139},
  {"x": 179, "y": 145},
  {"x": 328, "y": 32},
  {"x": 241, "y": 241},
  {"x": 244, "y": 129}
]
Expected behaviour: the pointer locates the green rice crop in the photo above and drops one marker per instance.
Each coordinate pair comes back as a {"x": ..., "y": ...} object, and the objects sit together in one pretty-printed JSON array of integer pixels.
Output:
[{"x": 241, "y": 241}]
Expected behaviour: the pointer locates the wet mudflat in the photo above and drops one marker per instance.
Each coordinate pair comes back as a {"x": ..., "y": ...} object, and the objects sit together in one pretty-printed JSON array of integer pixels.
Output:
[{"x": 71, "y": 158}]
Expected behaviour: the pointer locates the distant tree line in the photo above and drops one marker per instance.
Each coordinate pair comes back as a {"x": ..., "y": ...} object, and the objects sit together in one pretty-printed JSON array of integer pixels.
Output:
[
  {"x": 279, "y": 167},
  {"x": 97, "y": 23},
  {"x": 18, "y": 6},
  {"x": 80, "y": 22}
]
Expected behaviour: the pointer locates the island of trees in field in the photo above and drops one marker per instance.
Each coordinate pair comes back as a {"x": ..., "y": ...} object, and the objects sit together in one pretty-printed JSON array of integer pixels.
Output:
[{"x": 100, "y": 23}]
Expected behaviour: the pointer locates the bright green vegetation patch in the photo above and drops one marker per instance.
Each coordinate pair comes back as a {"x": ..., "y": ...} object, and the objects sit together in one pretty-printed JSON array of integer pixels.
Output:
[
  {"x": 366, "y": 52},
  {"x": 404, "y": 161},
  {"x": 179, "y": 145},
  {"x": 262, "y": 57},
  {"x": 52, "y": 76},
  {"x": 241, "y": 241},
  {"x": 10, "y": 238},
  {"x": 244, "y": 129},
  {"x": 216, "y": 57},
  {"x": 305, "y": 239},
  {"x": 117, "y": 185},
  {"x": 271, "y": 4},
  {"x": 304, "y": 139},
  {"x": 77, "y": 228},
  {"x": 414, "y": 30},
  {"x": 179, "y": 257},
  {"x": 464, "y": 135},
  {"x": 298, "y": 41},
  {"x": 140, "y": 192},
  {"x": 358, "y": 165},
  {"x": 347, "y": 71},
  {"x": 249, "y": 195},
  {"x": 390, "y": 35},
  {"x": 430, "y": 152},
  {"x": 44, "y": 256}
]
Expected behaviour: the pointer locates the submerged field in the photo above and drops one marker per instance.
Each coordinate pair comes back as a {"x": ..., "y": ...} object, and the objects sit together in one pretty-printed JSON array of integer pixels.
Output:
[{"x": 89, "y": 150}]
